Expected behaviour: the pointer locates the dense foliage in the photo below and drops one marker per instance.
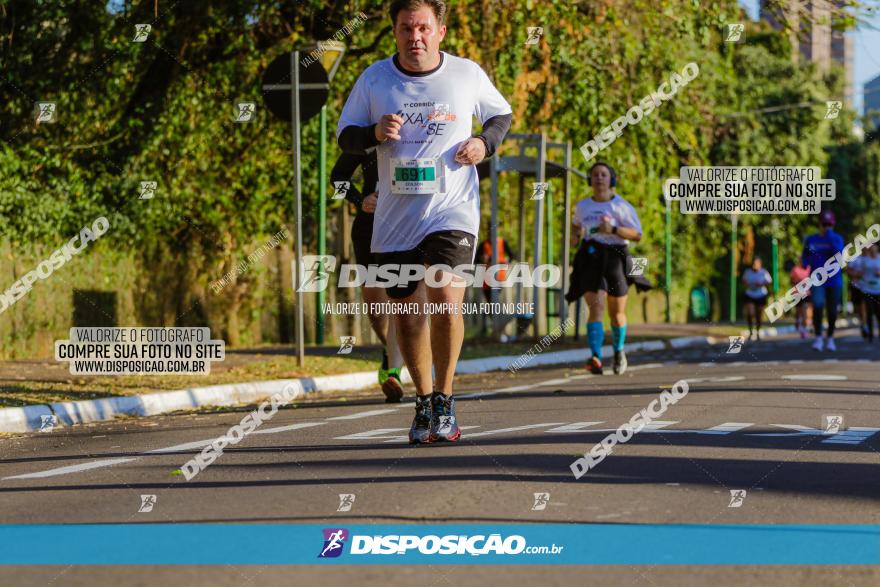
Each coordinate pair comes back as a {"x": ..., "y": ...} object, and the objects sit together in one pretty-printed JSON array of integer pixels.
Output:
[{"x": 163, "y": 110}]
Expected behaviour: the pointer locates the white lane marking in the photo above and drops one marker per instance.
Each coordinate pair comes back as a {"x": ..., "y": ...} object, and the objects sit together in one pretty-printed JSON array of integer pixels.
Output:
[
  {"x": 516, "y": 388},
  {"x": 726, "y": 428},
  {"x": 716, "y": 379},
  {"x": 364, "y": 414},
  {"x": 475, "y": 395},
  {"x": 708, "y": 364},
  {"x": 287, "y": 428},
  {"x": 553, "y": 382},
  {"x": 854, "y": 435},
  {"x": 203, "y": 443},
  {"x": 863, "y": 360},
  {"x": 830, "y": 361},
  {"x": 795, "y": 362},
  {"x": 815, "y": 377},
  {"x": 584, "y": 376},
  {"x": 575, "y": 427},
  {"x": 182, "y": 447},
  {"x": 72, "y": 468},
  {"x": 505, "y": 390},
  {"x": 656, "y": 425},
  {"x": 371, "y": 434},
  {"x": 645, "y": 366},
  {"x": 406, "y": 438},
  {"x": 176, "y": 448},
  {"x": 515, "y": 429}
]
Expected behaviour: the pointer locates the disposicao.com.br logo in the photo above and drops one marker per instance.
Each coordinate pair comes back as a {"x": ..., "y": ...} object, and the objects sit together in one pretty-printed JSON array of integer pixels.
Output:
[{"x": 455, "y": 544}]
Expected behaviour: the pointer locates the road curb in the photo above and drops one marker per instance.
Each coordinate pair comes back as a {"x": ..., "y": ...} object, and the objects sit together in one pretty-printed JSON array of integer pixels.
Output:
[{"x": 32, "y": 418}]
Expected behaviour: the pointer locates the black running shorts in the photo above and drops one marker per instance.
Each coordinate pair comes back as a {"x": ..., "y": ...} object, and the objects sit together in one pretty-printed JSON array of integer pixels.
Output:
[
  {"x": 447, "y": 247},
  {"x": 602, "y": 267}
]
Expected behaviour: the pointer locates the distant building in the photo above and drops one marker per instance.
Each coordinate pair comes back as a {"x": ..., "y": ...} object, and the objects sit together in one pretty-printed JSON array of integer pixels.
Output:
[
  {"x": 814, "y": 37},
  {"x": 872, "y": 98}
]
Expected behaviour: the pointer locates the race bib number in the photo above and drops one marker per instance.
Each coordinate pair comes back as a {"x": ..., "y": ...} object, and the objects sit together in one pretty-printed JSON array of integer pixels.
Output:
[{"x": 417, "y": 176}]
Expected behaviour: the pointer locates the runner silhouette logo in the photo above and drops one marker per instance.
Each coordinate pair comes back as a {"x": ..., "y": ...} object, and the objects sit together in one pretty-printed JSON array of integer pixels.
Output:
[{"x": 334, "y": 541}]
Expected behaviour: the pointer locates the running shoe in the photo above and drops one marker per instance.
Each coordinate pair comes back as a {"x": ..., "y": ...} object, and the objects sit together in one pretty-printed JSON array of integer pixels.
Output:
[
  {"x": 803, "y": 332},
  {"x": 818, "y": 345},
  {"x": 392, "y": 388},
  {"x": 445, "y": 426},
  {"x": 420, "y": 431},
  {"x": 594, "y": 365},
  {"x": 619, "y": 362},
  {"x": 830, "y": 346}
]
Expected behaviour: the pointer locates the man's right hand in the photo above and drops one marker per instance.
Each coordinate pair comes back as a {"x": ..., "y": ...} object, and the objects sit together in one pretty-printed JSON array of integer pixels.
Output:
[
  {"x": 369, "y": 203},
  {"x": 388, "y": 127}
]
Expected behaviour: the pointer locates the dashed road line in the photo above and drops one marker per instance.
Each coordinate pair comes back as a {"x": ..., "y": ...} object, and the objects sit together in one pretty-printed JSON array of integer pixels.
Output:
[{"x": 72, "y": 468}]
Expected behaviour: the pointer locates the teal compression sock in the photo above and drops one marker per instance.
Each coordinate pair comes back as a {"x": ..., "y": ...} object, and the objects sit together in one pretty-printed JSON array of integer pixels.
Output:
[
  {"x": 618, "y": 335},
  {"x": 595, "y": 337}
]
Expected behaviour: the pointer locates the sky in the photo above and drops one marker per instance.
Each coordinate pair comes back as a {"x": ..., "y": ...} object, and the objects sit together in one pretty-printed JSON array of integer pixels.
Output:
[{"x": 866, "y": 44}]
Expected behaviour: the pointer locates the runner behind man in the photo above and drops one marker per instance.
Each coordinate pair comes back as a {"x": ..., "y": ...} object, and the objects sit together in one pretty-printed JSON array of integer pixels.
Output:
[
  {"x": 605, "y": 224},
  {"x": 797, "y": 273},
  {"x": 818, "y": 248},
  {"x": 856, "y": 295},
  {"x": 418, "y": 105},
  {"x": 361, "y": 233},
  {"x": 756, "y": 279},
  {"x": 869, "y": 284}
]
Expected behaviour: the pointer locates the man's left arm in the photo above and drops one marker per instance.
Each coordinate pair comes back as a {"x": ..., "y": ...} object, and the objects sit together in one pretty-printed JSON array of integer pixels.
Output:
[
  {"x": 496, "y": 116},
  {"x": 494, "y": 131}
]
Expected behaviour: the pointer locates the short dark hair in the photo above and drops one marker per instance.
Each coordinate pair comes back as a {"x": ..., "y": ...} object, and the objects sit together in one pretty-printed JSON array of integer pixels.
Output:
[{"x": 438, "y": 6}]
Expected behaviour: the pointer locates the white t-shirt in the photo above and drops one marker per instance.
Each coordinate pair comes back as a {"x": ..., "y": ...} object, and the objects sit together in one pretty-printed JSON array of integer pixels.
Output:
[
  {"x": 869, "y": 282},
  {"x": 588, "y": 214},
  {"x": 438, "y": 111},
  {"x": 756, "y": 282}
]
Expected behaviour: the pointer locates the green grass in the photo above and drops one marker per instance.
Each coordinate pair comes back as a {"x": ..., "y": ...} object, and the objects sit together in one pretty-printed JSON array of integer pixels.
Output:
[{"x": 264, "y": 367}]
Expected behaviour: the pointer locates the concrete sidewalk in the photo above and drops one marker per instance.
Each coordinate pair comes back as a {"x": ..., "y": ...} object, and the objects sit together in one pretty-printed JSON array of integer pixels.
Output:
[{"x": 34, "y": 417}]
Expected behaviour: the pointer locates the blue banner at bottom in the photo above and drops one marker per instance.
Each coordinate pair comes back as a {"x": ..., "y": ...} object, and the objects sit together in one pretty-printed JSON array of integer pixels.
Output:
[{"x": 517, "y": 544}]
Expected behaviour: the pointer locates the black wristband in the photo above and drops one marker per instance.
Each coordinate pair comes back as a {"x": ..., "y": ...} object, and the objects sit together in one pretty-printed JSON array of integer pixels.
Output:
[{"x": 614, "y": 230}]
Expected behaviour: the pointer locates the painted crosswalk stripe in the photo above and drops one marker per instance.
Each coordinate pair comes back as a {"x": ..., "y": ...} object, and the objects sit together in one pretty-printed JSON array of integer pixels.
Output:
[
  {"x": 378, "y": 433},
  {"x": 514, "y": 429},
  {"x": 288, "y": 428},
  {"x": 854, "y": 435},
  {"x": 72, "y": 468},
  {"x": 574, "y": 427},
  {"x": 364, "y": 414},
  {"x": 726, "y": 428}
]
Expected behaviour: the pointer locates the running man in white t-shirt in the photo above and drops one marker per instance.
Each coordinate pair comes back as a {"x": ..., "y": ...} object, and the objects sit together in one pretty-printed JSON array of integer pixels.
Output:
[
  {"x": 418, "y": 107},
  {"x": 605, "y": 224}
]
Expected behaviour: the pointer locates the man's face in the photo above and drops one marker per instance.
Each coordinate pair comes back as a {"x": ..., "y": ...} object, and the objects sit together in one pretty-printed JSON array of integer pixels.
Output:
[
  {"x": 418, "y": 37},
  {"x": 601, "y": 178}
]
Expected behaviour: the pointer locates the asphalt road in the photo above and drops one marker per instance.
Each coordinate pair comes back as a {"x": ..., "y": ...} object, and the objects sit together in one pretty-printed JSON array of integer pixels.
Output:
[{"x": 752, "y": 421}]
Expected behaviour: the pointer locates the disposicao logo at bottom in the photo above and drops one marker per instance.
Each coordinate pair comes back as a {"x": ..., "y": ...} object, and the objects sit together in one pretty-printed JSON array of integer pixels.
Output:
[{"x": 334, "y": 541}]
